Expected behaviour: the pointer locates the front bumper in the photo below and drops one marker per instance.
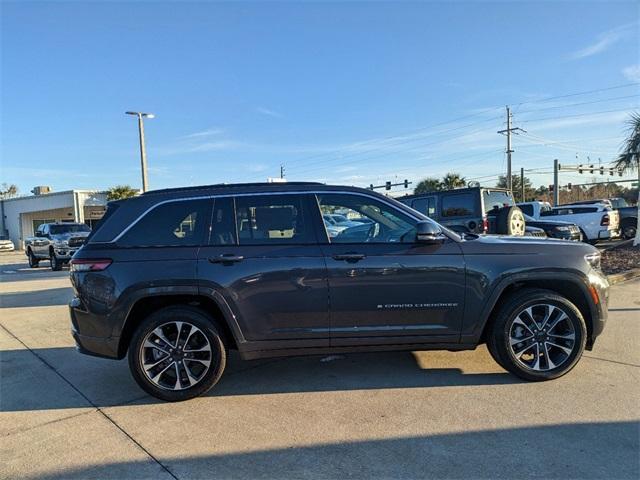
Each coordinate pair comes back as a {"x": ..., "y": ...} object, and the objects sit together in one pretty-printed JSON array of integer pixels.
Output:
[
  {"x": 65, "y": 253},
  {"x": 599, "y": 289}
]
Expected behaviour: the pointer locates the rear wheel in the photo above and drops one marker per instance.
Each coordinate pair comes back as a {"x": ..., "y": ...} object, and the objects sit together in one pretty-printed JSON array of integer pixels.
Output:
[
  {"x": 177, "y": 353},
  {"x": 537, "y": 335},
  {"x": 33, "y": 261},
  {"x": 629, "y": 229}
]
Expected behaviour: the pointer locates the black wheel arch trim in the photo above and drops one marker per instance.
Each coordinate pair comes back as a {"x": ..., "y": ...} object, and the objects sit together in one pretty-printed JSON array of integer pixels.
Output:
[{"x": 576, "y": 278}]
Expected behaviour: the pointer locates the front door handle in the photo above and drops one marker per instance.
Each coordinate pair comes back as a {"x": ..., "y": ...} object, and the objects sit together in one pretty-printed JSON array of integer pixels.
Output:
[
  {"x": 349, "y": 257},
  {"x": 227, "y": 258}
]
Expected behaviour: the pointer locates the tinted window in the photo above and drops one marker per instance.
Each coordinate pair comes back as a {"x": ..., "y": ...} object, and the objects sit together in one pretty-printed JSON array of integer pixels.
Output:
[
  {"x": 459, "y": 205},
  {"x": 548, "y": 213},
  {"x": 179, "y": 223},
  {"x": 74, "y": 228},
  {"x": 496, "y": 199},
  {"x": 425, "y": 205},
  {"x": 369, "y": 221},
  {"x": 223, "y": 225},
  {"x": 272, "y": 219},
  {"x": 527, "y": 209},
  {"x": 585, "y": 210}
]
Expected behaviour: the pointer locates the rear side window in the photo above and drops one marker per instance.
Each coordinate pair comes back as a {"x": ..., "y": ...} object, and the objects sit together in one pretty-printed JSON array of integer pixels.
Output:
[
  {"x": 425, "y": 205},
  {"x": 460, "y": 205},
  {"x": 223, "y": 225},
  {"x": 527, "y": 209},
  {"x": 273, "y": 220},
  {"x": 173, "y": 224},
  {"x": 496, "y": 199}
]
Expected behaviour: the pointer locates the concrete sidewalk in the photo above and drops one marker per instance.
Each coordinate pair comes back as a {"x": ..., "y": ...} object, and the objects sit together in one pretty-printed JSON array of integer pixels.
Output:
[{"x": 393, "y": 415}]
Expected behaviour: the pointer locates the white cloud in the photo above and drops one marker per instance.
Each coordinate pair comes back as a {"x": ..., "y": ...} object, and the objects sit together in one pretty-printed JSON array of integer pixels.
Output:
[
  {"x": 605, "y": 40},
  {"x": 268, "y": 112},
  {"x": 632, "y": 73},
  {"x": 205, "y": 133}
]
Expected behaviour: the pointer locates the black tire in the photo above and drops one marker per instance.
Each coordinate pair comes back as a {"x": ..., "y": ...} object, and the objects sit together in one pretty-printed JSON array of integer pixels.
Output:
[
  {"x": 56, "y": 264},
  {"x": 499, "y": 335},
  {"x": 33, "y": 261},
  {"x": 510, "y": 221},
  {"x": 629, "y": 228},
  {"x": 164, "y": 318}
]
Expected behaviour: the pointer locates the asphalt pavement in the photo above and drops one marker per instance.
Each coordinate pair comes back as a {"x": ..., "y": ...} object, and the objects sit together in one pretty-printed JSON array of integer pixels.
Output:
[{"x": 388, "y": 415}]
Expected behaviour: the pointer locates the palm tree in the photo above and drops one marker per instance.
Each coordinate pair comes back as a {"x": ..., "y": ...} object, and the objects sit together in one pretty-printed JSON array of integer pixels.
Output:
[
  {"x": 121, "y": 191},
  {"x": 453, "y": 180},
  {"x": 629, "y": 159},
  {"x": 427, "y": 185}
]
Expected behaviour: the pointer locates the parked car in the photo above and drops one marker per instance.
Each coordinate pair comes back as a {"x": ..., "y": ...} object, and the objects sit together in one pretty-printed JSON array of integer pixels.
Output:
[
  {"x": 552, "y": 228},
  {"x": 596, "y": 221},
  {"x": 55, "y": 242},
  {"x": 628, "y": 214},
  {"x": 471, "y": 210},
  {"x": 6, "y": 245},
  {"x": 175, "y": 278}
]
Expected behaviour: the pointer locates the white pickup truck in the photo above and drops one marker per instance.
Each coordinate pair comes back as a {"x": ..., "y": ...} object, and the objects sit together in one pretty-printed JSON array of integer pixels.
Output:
[
  {"x": 56, "y": 242},
  {"x": 596, "y": 221}
]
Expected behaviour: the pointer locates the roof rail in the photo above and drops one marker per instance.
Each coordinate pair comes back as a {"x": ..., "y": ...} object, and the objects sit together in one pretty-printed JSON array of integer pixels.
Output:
[{"x": 229, "y": 185}]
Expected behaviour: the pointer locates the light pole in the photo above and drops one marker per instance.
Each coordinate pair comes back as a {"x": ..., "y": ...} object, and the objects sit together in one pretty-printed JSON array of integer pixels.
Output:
[{"x": 143, "y": 152}]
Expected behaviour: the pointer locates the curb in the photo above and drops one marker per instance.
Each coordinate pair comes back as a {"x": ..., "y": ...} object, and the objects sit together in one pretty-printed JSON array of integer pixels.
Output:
[{"x": 621, "y": 277}]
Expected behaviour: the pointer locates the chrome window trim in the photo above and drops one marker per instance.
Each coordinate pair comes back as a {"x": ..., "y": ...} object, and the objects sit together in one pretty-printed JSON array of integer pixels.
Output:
[{"x": 253, "y": 194}]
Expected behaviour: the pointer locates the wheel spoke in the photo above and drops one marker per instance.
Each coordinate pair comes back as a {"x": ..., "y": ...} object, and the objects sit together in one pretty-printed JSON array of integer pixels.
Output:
[
  {"x": 160, "y": 334},
  {"x": 150, "y": 344},
  {"x": 204, "y": 348},
  {"x": 519, "y": 321},
  {"x": 156, "y": 378},
  {"x": 536, "y": 365},
  {"x": 149, "y": 366},
  {"x": 550, "y": 309},
  {"x": 206, "y": 363},
  {"x": 557, "y": 321},
  {"x": 564, "y": 349},
  {"x": 568, "y": 336},
  {"x": 550, "y": 363},
  {"x": 516, "y": 341}
]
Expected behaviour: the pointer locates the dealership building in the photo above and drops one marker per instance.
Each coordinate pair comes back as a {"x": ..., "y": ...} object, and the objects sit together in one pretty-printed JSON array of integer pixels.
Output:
[{"x": 21, "y": 216}]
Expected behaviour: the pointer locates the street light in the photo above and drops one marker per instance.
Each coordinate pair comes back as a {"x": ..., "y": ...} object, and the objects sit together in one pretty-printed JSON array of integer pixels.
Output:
[{"x": 143, "y": 152}]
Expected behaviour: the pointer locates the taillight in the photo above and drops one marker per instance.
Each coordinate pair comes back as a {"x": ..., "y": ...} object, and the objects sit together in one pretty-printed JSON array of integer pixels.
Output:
[
  {"x": 89, "y": 265},
  {"x": 605, "y": 220},
  {"x": 485, "y": 224}
]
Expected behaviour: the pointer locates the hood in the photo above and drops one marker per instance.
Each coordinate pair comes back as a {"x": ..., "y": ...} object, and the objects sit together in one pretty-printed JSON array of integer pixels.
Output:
[{"x": 510, "y": 245}]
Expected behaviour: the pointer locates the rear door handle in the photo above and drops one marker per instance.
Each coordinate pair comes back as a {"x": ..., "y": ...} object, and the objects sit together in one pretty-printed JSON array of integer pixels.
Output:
[
  {"x": 230, "y": 258},
  {"x": 349, "y": 257}
]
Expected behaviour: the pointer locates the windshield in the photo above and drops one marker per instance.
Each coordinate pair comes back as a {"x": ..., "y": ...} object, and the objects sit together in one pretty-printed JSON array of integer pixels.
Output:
[{"x": 73, "y": 228}]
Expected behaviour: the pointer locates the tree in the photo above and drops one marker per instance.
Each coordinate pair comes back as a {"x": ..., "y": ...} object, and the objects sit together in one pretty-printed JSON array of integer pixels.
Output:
[
  {"x": 629, "y": 158},
  {"x": 8, "y": 191},
  {"x": 430, "y": 184},
  {"x": 453, "y": 180},
  {"x": 121, "y": 191},
  {"x": 529, "y": 192}
]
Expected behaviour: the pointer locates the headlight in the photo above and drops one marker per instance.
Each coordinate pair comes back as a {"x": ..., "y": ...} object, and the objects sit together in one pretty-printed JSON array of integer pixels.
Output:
[
  {"x": 562, "y": 229},
  {"x": 593, "y": 259},
  {"x": 60, "y": 243}
]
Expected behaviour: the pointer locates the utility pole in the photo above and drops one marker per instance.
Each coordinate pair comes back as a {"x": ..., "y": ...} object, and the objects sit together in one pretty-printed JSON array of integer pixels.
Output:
[
  {"x": 522, "y": 199},
  {"x": 143, "y": 151},
  {"x": 281, "y": 171},
  {"x": 509, "y": 150},
  {"x": 556, "y": 193}
]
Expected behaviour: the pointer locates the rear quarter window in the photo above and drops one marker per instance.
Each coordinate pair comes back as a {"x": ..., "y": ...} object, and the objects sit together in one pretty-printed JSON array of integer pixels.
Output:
[
  {"x": 458, "y": 205},
  {"x": 496, "y": 199}
]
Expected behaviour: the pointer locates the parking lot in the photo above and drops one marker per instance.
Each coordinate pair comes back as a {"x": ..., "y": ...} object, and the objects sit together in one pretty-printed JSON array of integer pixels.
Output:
[{"x": 392, "y": 415}]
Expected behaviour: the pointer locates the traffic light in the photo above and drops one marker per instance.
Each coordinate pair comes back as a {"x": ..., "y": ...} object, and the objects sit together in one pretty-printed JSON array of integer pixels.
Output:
[
  {"x": 406, "y": 183},
  {"x": 601, "y": 170},
  {"x": 387, "y": 186},
  {"x": 620, "y": 172},
  {"x": 580, "y": 170},
  {"x": 551, "y": 188},
  {"x": 569, "y": 186},
  {"x": 591, "y": 169},
  {"x": 611, "y": 171},
  {"x": 371, "y": 186}
]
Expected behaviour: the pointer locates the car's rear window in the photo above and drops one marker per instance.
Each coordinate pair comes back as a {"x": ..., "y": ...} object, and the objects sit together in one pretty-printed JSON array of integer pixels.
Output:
[
  {"x": 527, "y": 209},
  {"x": 496, "y": 199},
  {"x": 457, "y": 205}
]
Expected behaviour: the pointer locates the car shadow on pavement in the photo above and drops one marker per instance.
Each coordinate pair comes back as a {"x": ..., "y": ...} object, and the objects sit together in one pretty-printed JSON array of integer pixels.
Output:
[
  {"x": 36, "y": 298},
  {"x": 576, "y": 450},
  {"x": 68, "y": 379}
]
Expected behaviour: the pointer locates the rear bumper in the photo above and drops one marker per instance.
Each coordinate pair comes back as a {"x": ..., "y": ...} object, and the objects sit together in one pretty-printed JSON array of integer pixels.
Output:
[
  {"x": 82, "y": 323},
  {"x": 607, "y": 234}
]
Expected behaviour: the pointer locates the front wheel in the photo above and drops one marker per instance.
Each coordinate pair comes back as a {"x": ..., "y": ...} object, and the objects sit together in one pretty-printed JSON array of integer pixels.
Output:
[
  {"x": 56, "y": 264},
  {"x": 177, "y": 353},
  {"x": 537, "y": 335},
  {"x": 33, "y": 261}
]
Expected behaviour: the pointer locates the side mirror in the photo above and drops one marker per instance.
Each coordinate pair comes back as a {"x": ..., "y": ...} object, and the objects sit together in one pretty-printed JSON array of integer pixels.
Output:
[{"x": 429, "y": 233}]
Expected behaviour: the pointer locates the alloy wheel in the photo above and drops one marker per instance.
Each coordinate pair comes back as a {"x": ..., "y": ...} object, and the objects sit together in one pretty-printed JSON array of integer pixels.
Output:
[
  {"x": 175, "y": 355},
  {"x": 542, "y": 337},
  {"x": 517, "y": 224}
]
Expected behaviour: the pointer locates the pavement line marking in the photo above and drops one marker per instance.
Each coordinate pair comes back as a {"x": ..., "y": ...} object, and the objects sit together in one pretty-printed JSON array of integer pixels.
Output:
[
  {"x": 612, "y": 361},
  {"x": 107, "y": 417}
]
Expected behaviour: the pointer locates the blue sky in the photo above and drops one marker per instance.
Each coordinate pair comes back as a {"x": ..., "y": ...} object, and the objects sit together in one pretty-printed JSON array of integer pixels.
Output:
[{"x": 351, "y": 93}]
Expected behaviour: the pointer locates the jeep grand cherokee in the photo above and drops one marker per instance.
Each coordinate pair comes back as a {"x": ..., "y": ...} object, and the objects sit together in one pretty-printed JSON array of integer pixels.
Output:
[{"x": 175, "y": 278}]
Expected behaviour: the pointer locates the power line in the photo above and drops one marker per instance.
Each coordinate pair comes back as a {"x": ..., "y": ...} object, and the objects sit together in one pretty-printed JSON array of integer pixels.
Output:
[
  {"x": 586, "y": 114},
  {"x": 579, "y": 104}
]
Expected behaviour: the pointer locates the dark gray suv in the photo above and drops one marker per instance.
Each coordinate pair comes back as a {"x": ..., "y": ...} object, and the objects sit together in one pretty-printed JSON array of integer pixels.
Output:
[{"x": 175, "y": 278}]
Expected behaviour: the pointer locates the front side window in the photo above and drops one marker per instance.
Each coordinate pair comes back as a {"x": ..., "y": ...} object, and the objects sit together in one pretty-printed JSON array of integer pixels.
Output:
[
  {"x": 273, "y": 220},
  {"x": 458, "y": 205},
  {"x": 173, "y": 224},
  {"x": 367, "y": 220}
]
